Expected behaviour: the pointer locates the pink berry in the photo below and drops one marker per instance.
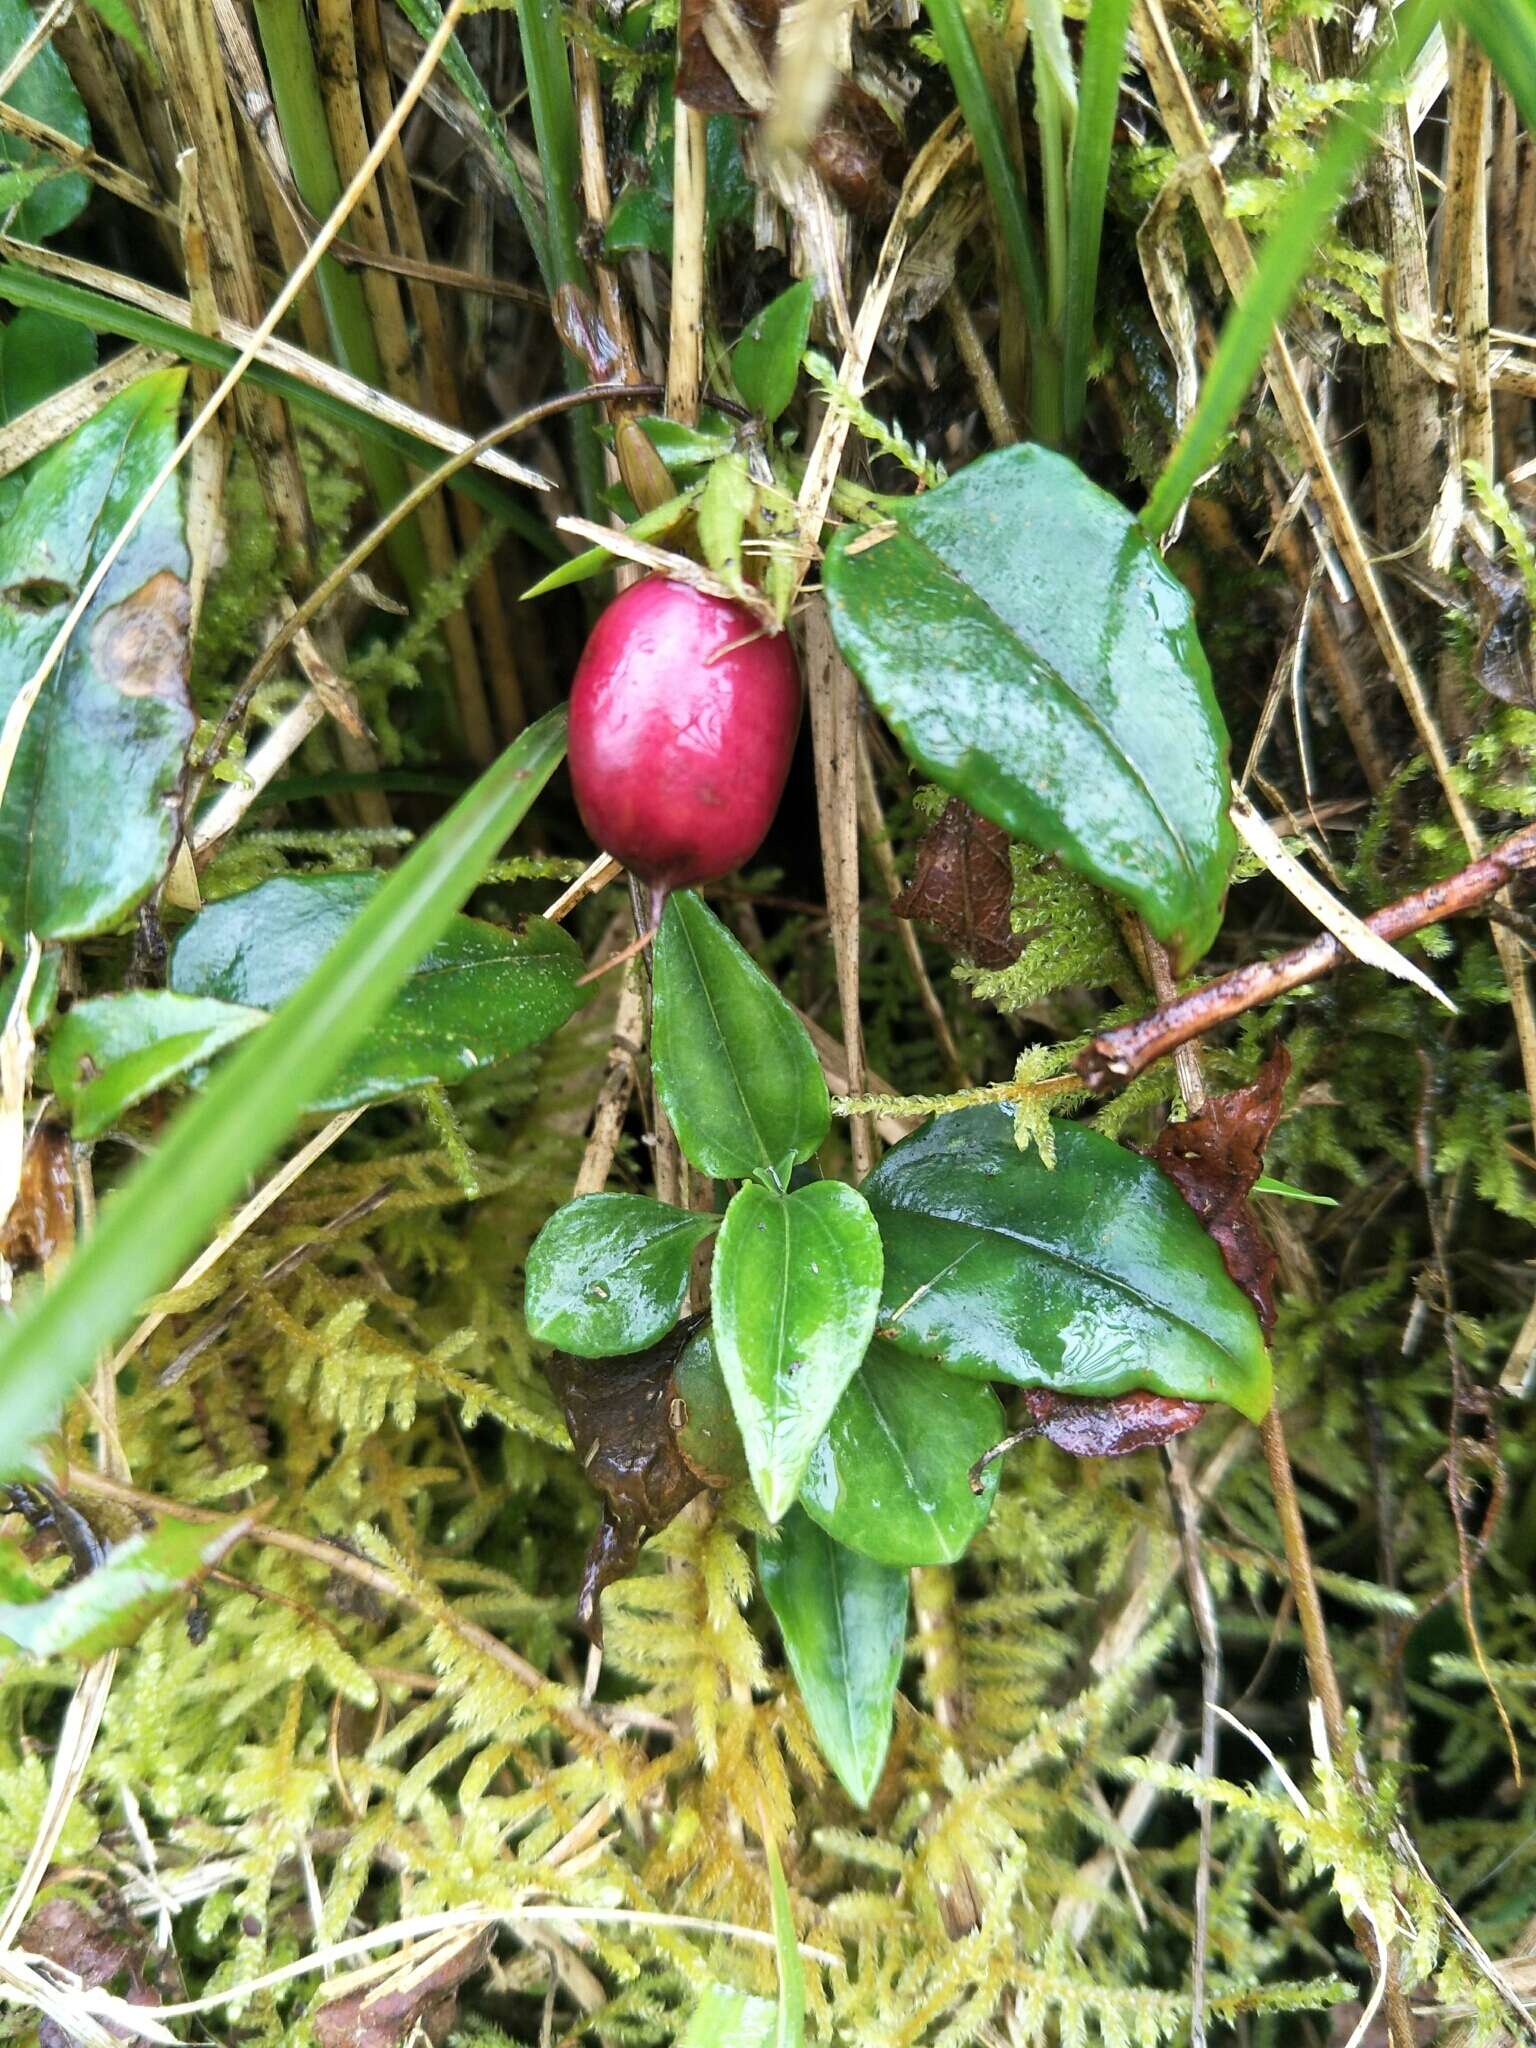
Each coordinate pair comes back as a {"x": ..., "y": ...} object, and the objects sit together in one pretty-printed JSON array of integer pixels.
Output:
[{"x": 679, "y": 750}]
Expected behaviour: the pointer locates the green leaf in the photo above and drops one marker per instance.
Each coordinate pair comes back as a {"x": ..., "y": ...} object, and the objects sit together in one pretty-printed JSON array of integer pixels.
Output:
[
  {"x": 45, "y": 989},
  {"x": 1104, "y": 34},
  {"x": 87, "y": 824},
  {"x": 1035, "y": 657},
  {"x": 119, "y": 17},
  {"x": 891, "y": 1476},
  {"x": 112, "y": 1605},
  {"x": 111, "y": 1051},
  {"x": 39, "y": 354},
  {"x": 735, "y": 1068},
  {"x": 1266, "y": 1184},
  {"x": 730, "y": 2019},
  {"x": 642, "y": 214},
  {"x": 766, "y": 361},
  {"x": 724, "y": 509},
  {"x": 479, "y": 995},
  {"x": 796, "y": 1285},
  {"x": 653, "y": 525},
  {"x": 789, "y": 2018},
  {"x": 1507, "y": 31},
  {"x": 46, "y": 91},
  {"x": 843, "y": 1618},
  {"x": 150, "y": 1225},
  {"x": 707, "y": 1436},
  {"x": 608, "y": 1274},
  {"x": 1092, "y": 1278}
]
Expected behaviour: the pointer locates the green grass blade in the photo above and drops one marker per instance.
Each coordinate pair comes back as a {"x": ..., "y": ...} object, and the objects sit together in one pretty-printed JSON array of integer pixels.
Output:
[
  {"x": 1018, "y": 237},
  {"x": 1507, "y": 31},
  {"x": 789, "y": 2023},
  {"x": 1098, "y": 101},
  {"x": 20, "y": 285},
  {"x": 1283, "y": 262},
  {"x": 165, "y": 1210}
]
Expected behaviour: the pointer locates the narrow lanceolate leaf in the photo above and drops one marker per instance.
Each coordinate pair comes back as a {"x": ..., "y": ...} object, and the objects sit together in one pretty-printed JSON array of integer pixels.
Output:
[
  {"x": 730, "y": 2019},
  {"x": 735, "y": 1067},
  {"x": 891, "y": 1478},
  {"x": 87, "y": 821},
  {"x": 608, "y": 1274},
  {"x": 796, "y": 1287},
  {"x": 111, "y": 1606},
  {"x": 789, "y": 2019},
  {"x": 766, "y": 361},
  {"x": 1034, "y": 656},
  {"x": 109, "y": 1052},
  {"x": 149, "y": 1227},
  {"x": 843, "y": 1618},
  {"x": 1094, "y": 1278},
  {"x": 480, "y": 995}
]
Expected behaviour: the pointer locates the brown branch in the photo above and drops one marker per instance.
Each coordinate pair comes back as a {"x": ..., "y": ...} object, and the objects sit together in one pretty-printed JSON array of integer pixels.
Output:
[{"x": 1120, "y": 1055}]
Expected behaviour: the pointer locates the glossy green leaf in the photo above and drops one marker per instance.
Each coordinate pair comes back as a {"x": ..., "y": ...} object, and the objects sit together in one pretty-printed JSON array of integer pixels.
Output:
[
  {"x": 642, "y": 213},
  {"x": 725, "y": 505},
  {"x": 730, "y": 2019},
  {"x": 87, "y": 823},
  {"x": 1035, "y": 656},
  {"x": 111, "y": 1051},
  {"x": 46, "y": 91},
  {"x": 608, "y": 1274},
  {"x": 39, "y": 354},
  {"x": 789, "y": 2016},
  {"x": 45, "y": 988},
  {"x": 735, "y": 1068},
  {"x": 162, "y": 1213},
  {"x": 1092, "y": 1278},
  {"x": 843, "y": 1618},
  {"x": 891, "y": 1477},
  {"x": 766, "y": 360},
  {"x": 111, "y": 1606},
  {"x": 796, "y": 1285},
  {"x": 480, "y": 994},
  {"x": 708, "y": 1435}
]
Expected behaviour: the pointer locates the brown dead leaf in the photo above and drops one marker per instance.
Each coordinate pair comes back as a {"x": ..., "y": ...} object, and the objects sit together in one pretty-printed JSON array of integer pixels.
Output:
[
  {"x": 623, "y": 1414},
  {"x": 1502, "y": 664},
  {"x": 140, "y": 645},
  {"x": 1109, "y": 1429},
  {"x": 411, "y": 2006},
  {"x": 99, "y": 1953},
  {"x": 962, "y": 885},
  {"x": 42, "y": 1220},
  {"x": 703, "y": 82},
  {"x": 859, "y": 153},
  {"x": 1213, "y": 1159}
]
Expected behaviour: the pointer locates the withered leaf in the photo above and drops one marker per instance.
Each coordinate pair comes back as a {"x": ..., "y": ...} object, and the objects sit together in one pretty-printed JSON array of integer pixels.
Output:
[
  {"x": 703, "y": 82},
  {"x": 859, "y": 152},
  {"x": 1213, "y": 1159},
  {"x": 88, "y": 1945},
  {"x": 962, "y": 885},
  {"x": 140, "y": 644},
  {"x": 1109, "y": 1429},
  {"x": 42, "y": 1219},
  {"x": 415, "y": 2005},
  {"x": 1502, "y": 664},
  {"x": 623, "y": 1414},
  {"x": 585, "y": 333}
]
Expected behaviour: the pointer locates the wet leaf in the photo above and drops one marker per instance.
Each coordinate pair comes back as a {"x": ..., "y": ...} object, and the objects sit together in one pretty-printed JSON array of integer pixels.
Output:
[
  {"x": 480, "y": 995},
  {"x": 421, "y": 2007},
  {"x": 1109, "y": 1429},
  {"x": 1035, "y": 657},
  {"x": 796, "y": 1284},
  {"x": 42, "y": 1219},
  {"x": 735, "y": 1068},
  {"x": 642, "y": 213},
  {"x": 111, "y": 1606},
  {"x": 46, "y": 91},
  {"x": 1502, "y": 662},
  {"x": 623, "y": 1415},
  {"x": 39, "y": 354},
  {"x": 962, "y": 885},
  {"x": 707, "y": 1434},
  {"x": 766, "y": 360},
  {"x": 730, "y": 2019},
  {"x": 891, "y": 1476},
  {"x": 608, "y": 1274},
  {"x": 111, "y": 1051},
  {"x": 843, "y": 1618},
  {"x": 1092, "y": 1278},
  {"x": 87, "y": 824},
  {"x": 1215, "y": 1158}
]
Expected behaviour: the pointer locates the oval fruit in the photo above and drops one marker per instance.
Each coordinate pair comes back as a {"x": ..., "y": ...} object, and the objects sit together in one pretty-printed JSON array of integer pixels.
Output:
[{"x": 683, "y": 720}]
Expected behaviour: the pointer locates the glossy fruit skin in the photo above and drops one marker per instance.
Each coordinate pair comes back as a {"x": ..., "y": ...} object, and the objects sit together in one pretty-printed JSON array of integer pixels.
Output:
[{"x": 678, "y": 761}]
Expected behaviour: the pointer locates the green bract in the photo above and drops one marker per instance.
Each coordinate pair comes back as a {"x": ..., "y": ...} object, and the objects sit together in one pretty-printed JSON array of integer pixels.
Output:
[
  {"x": 1095, "y": 1278},
  {"x": 844, "y": 1622},
  {"x": 796, "y": 1287},
  {"x": 1035, "y": 657},
  {"x": 735, "y": 1067},
  {"x": 481, "y": 993},
  {"x": 891, "y": 1477},
  {"x": 608, "y": 1274}
]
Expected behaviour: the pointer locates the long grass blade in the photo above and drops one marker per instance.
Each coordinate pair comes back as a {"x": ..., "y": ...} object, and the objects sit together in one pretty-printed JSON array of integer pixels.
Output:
[
  {"x": 1507, "y": 31},
  {"x": 1283, "y": 263},
  {"x": 157, "y": 1219},
  {"x": 1098, "y": 101}
]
